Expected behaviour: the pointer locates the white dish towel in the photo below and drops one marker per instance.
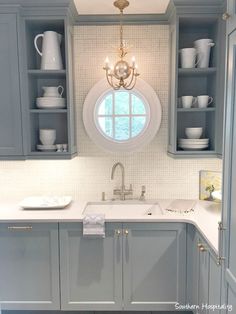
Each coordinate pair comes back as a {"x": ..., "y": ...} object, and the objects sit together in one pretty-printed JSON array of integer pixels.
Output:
[{"x": 94, "y": 226}]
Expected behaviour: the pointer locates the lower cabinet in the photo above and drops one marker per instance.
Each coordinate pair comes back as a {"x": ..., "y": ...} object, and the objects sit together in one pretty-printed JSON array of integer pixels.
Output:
[
  {"x": 91, "y": 269},
  {"x": 204, "y": 275},
  {"x": 138, "y": 266},
  {"x": 29, "y": 266}
]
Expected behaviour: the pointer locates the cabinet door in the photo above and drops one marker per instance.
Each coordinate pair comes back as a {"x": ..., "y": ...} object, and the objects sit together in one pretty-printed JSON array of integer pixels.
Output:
[
  {"x": 214, "y": 284},
  {"x": 91, "y": 269},
  {"x": 29, "y": 267},
  {"x": 154, "y": 256},
  {"x": 203, "y": 280},
  {"x": 10, "y": 108},
  {"x": 229, "y": 182},
  {"x": 231, "y": 10}
]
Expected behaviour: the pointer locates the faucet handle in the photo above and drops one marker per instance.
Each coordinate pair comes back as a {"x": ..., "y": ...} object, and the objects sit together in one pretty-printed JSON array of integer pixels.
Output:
[
  {"x": 131, "y": 187},
  {"x": 143, "y": 189}
]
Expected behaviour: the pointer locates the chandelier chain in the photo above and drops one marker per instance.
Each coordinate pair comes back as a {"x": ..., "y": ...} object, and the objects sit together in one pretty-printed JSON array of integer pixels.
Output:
[{"x": 122, "y": 75}]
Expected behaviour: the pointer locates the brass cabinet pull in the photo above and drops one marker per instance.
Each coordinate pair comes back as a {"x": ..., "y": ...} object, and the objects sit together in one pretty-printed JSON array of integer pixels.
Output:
[
  {"x": 225, "y": 16},
  {"x": 20, "y": 228},
  {"x": 126, "y": 232},
  {"x": 118, "y": 232}
]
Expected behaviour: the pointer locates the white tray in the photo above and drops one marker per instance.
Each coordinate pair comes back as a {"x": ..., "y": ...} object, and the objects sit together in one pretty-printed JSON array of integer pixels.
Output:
[{"x": 46, "y": 202}]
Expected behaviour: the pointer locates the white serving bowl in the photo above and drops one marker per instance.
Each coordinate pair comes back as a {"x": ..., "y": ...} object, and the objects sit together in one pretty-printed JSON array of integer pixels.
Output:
[
  {"x": 50, "y": 102},
  {"x": 193, "y": 133}
]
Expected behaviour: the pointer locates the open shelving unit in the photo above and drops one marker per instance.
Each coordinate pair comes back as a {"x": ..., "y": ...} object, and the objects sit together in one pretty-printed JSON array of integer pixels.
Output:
[
  {"x": 60, "y": 119},
  {"x": 187, "y": 28}
]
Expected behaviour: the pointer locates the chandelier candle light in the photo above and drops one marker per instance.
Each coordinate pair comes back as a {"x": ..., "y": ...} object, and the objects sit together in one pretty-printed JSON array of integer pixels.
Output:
[{"x": 122, "y": 74}]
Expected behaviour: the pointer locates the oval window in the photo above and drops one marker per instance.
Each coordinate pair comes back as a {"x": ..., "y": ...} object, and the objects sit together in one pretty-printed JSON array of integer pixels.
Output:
[{"x": 121, "y": 120}]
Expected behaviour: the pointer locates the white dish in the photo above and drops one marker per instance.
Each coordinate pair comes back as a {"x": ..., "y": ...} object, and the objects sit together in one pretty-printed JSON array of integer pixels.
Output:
[
  {"x": 193, "y": 145},
  {"x": 48, "y": 148},
  {"x": 50, "y": 102},
  {"x": 187, "y": 148},
  {"x": 189, "y": 140},
  {"x": 46, "y": 202},
  {"x": 193, "y": 133}
]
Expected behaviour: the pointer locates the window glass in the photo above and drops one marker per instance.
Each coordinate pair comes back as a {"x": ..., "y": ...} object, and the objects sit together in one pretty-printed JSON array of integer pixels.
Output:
[{"x": 121, "y": 115}]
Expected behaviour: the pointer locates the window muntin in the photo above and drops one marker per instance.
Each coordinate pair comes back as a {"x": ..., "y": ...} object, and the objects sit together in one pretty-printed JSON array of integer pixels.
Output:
[{"x": 121, "y": 115}]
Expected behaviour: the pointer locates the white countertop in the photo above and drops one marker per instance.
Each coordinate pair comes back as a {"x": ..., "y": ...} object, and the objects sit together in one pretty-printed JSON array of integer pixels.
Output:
[{"x": 205, "y": 216}]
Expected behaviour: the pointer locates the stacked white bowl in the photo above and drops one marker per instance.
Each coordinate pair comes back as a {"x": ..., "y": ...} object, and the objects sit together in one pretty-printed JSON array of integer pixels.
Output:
[{"x": 193, "y": 140}]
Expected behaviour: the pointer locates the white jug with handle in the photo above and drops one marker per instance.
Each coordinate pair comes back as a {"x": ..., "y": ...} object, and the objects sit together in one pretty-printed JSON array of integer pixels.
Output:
[
  {"x": 53, "y": 91},
  {"x": 51, "y": 53}
]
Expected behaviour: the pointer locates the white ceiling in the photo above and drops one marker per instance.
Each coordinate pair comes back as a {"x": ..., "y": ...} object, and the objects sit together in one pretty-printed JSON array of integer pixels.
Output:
[{"x": 106, "y": 7}]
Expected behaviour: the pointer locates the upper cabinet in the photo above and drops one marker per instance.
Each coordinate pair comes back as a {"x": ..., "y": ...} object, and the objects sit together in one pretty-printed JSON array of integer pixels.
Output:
[
  {"x": 38, "y": 118},
  {"x": 11, "y": 144},
  {"x": 49, "y": 96},
  {"x": 192, "y": 76}
]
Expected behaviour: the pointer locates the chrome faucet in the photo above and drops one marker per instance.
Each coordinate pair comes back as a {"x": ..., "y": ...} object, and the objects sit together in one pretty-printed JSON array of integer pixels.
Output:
[{"x": 122, "y": 191}]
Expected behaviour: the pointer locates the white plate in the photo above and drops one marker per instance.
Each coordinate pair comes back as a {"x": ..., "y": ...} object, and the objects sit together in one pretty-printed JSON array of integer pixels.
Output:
[
  {"x": 200, "y": 141},
  {"x": 194, "y": 145},
  {"x": 188, "y": 148},
  {"x": 191, "y": 144},
  {"x": 48, "y": 148},
  {"x": 47, "y": 202}
]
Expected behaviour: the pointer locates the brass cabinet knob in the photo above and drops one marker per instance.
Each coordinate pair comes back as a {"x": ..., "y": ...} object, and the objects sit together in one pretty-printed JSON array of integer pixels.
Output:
[
  {"x": 126, "y": 232},
  {"x": 225, "y": 16},
  {"x": 201, "y": 247},
  {"x": 118, "y": 232}
]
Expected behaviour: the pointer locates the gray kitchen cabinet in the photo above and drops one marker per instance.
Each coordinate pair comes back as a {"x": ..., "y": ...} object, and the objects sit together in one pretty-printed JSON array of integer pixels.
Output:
[
  {"x": 29, "y": 266},
  {"x": 187, "y": 25},
  {"x": 91, "y": 269},
  {"x": 154, "y": 257},
  {"x": 229, "y": 169},
  {"x": 209, "y": 278},
  {"x": 62, "y": 120},
  {"x": 21, "y": 79},
  {"x": 230, "y": 16},
  {"x": 135, "y": 267},
  {"x": 203, "y": 275},
  {"x": 11, "y": 143}
]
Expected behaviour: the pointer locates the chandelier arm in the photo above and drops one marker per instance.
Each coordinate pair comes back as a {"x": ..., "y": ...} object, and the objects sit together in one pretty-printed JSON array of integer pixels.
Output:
[
  {"x": 114, "y": 86},
  {"x": 131, "y": 79},
  {"x": 109, "y": 80},
  {"x": 131, "y": 83}
]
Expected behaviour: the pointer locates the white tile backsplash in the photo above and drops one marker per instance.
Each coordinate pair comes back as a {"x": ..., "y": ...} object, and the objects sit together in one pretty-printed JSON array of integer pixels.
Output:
[{"x": 86, "y": 176}]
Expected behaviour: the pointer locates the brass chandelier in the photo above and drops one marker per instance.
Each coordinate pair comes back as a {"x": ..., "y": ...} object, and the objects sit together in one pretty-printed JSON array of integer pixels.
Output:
[{"x": 121, "y": 75}]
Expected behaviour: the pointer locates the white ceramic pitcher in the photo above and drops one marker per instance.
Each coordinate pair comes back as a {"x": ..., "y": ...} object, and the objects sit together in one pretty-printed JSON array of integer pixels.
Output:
[
  {"x": 203, "y": 47},
  {"x": 51, "y": 53},
  {"x": 53, "y": 91}
]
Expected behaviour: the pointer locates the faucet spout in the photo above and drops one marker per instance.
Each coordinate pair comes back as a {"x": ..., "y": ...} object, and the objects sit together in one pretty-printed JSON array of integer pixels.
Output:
[
  {"x": 119, "y": 164},
  {"x": 122, "y": 191}
]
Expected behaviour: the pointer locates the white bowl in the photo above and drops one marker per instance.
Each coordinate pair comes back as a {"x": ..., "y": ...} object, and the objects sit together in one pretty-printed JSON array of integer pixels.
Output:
[
  {"x": 51, "y": 102},
  {"x": 193, "y": 133},
  {"x": 47, "y": 136}
]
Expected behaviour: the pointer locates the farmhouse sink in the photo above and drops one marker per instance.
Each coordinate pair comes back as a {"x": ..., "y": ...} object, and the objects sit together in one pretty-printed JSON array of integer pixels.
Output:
[{"x": 123, "y": 209}]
